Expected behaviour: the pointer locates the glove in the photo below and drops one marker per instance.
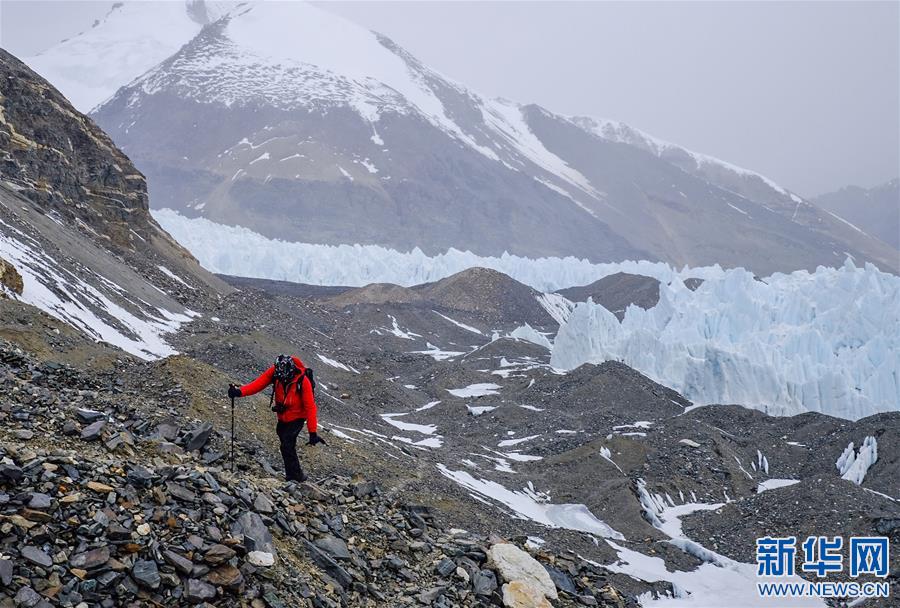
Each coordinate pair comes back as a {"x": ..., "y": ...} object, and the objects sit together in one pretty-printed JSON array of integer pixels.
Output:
[
  {"x": 314, "y": 439},
  {"x": 233, "y": 391}
]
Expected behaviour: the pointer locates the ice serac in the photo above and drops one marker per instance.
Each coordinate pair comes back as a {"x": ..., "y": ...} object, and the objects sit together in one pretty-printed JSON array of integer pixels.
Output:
[
  {"x": 823, "y": 341},
  {"x": 853, "y": 465},
  {"x": 261, "y": 113}
]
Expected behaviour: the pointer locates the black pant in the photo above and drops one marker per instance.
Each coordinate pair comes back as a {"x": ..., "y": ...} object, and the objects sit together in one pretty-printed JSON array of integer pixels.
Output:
[{"x": 287, "y": 433}]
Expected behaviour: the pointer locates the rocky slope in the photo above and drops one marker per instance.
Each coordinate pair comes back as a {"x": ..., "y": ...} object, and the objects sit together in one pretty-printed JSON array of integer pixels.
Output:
[
  {"x": 588, "y": 470},
  {"x": 498, "y": 423},
  {"x": 75, "y": 223},
  {"x": 321, "y": 136},
  {"x": 126, "y": 505},
  {"x": 874, "y": 210}
]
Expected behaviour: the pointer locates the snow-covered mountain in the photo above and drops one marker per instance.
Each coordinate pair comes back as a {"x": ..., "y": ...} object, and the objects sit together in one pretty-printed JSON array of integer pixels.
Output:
[
  {"x": 262, "y": 120},
  {"x": 129, "y": 40}
]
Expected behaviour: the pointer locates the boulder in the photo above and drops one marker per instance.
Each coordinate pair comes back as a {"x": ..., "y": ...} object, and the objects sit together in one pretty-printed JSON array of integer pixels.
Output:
[
  {"x": 10, "y": 473},
  {"x": 519, "y": 594},
  {"x": 40, "y": 501},
  {"x": 87, "y": 416},
  {"x": 179, "y": 562},
  {"x": 197, "y": 437},
  {"x": 93, "y": 431},
  {"x": 197, "y": 591},
  {"x": 256, "y": 535},
  {"x": 261, "y": 558},
  {"x": 484, "y": 582},
  {"x": 218, "y": 554},
  {"x": 262, "y": 504},
  {"x": 562, "y": 580},
  {"x": 88, "y": 560},
  {"x": 6, "y": 572},
  {"x": 226, "y": 576},
  {"x": 333, "y": 546},
  {"x": 514, "y": 564},
  {"x": 10, "y": 278},
  {"x": 36, "y": 556},
  {"x": 146, "y": 574}
]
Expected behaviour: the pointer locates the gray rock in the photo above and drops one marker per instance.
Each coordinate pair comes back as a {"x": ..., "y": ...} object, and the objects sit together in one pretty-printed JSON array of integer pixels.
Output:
[
  {"x": 27, "y": 597},
  {"x": 90, "y": 559},
  {"x": 197, "y": 437},
  {"x": 256, "y": 535},
  {"x": 446, "y": 567},
  {"x": 179, "y": 562},
  {"x": 262, "y": 504},
  {"x": 87, "y": 416},
  {"x": 93, "y": 431},
  {"x": 180, "y": 492},
  {"x": 40, "y": 501},
  {"x": 331, "y": 567},
  {"x": 484, "y": 582},
  {"x": 197, "y": 591},
  {"x": 36, "y": 556},
  {"x": 218, "y": 554},
  {"x": 333, "y": 546},
  {"x": 146, "y": 574},
  {"x": 10, "y": 473},
  {"x": 140, "y": 476},
  {"x": 428, "y": 596},
  {"x": 364, "y": 488},
  {"x": 6, "y": 572},
  {"x": 167, "y": 431},
  {"x": 562, "y": 580}
]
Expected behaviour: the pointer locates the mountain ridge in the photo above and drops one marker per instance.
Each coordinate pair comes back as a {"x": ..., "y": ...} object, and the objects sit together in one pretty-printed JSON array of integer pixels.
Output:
[
  {"x": 875, "y": 210},
  {"x": 366, "y": 130}
]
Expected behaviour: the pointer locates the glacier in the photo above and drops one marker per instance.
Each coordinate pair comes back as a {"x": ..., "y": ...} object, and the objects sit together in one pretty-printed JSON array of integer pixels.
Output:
[
  {"x": 250, "y": 254},
  {"x": 825, "y": 341}
]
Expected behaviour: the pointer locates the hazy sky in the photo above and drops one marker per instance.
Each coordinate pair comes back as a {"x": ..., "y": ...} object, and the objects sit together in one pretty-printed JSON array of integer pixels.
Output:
[{"x": 807, "y": 93}]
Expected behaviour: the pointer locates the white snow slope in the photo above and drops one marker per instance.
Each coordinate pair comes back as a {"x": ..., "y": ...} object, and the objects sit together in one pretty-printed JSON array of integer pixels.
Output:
[
  {"x": 89, "y": 306},
  {"x": 132, "y": 38},
  {"x": 823, "y": 341}
]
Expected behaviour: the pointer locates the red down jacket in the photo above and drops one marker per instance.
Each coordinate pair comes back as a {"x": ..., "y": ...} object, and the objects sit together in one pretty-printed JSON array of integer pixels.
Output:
[{"x": 300, "y": 404}]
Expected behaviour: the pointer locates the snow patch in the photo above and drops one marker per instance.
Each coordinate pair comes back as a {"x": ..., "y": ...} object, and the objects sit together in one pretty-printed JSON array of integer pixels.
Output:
[
  {"x": 474, "y": 330},
  {"x": 336, "y": 364},
  {"x": 772, "y": 484},
  {"x": 526, "y": 504}
]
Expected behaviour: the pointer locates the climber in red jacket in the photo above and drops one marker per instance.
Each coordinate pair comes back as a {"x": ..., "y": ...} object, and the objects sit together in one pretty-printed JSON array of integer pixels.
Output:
[{"x": 294, "y": 401}]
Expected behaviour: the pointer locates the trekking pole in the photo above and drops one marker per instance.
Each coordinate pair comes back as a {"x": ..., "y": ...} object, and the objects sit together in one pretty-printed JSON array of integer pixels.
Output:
[{"x": 232, "y": 434}]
